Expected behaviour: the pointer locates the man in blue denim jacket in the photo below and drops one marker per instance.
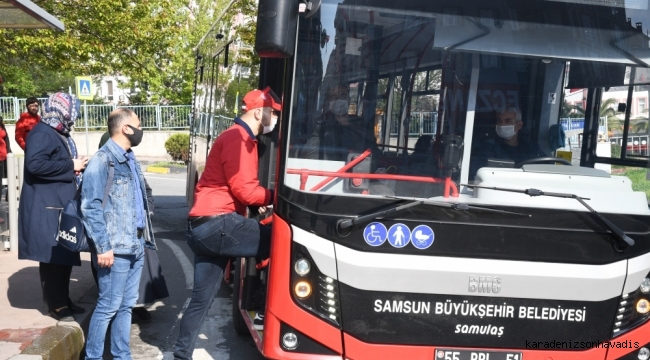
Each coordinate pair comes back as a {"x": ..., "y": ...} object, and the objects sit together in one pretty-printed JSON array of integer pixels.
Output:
[{"x": 119, "y": 230}]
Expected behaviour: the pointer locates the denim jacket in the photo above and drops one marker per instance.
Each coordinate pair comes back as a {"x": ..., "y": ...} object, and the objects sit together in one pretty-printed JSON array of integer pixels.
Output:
[{"x": 114, "y": 227}]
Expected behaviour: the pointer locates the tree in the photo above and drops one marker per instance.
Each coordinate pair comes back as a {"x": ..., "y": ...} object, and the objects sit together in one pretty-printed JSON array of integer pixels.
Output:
[
  {"x": 17, "y": 82},
  {"x": 234, "y": 94},
  {"x": 639, "y": 126},
  {"x": 149, "y": 41},
  {"x": 607, "y": 109}
]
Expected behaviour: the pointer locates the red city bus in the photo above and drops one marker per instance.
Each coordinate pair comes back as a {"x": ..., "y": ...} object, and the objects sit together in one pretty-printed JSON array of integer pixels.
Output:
[{"x": 410, "y": 223}]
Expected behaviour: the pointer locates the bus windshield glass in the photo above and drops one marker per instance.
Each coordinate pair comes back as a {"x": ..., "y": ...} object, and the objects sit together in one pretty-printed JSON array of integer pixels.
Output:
[{"x": 428, "y": 99}]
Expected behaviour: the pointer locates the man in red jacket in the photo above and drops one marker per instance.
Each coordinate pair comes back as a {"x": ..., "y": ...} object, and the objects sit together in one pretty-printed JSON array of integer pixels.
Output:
[
  {"x": 27, "y": 121},
  {"x": 217, "y": 226}
]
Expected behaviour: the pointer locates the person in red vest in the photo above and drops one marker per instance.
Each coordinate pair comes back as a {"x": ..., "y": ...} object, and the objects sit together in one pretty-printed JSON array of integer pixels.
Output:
[{"x": 27, "y": 121}]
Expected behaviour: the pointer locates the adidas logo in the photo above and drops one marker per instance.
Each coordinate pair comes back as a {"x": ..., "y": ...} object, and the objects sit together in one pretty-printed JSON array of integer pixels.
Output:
[
  {"x": 67, "y": 236},
  {"x": 73, "y": 230}
]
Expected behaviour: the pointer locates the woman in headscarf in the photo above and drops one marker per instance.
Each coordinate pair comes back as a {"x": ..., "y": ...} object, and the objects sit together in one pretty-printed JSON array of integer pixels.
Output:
[{"x": 52, "y": 177}]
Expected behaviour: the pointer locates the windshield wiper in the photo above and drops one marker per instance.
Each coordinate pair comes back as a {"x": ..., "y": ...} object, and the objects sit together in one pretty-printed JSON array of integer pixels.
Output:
[
  {"x": 348, "y": 223},
  {"x": 615, "y": 230}
]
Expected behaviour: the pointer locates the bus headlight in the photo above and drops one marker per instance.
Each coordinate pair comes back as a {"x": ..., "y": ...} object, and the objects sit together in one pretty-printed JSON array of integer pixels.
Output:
[
  {"x": 643, "y": 354},
  {"x": 311, "y": 289},
  {"x": 633, "y": 309},
  {"x": 645, "y": 286},
  {"x": 290, "y": 341},
  {"x": 302, "y": 289},
  {"x": 302, "y": 267}
]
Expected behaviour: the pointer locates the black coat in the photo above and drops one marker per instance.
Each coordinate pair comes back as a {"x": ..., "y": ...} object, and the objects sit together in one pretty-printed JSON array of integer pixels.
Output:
[{"x": 48, "y": 182}]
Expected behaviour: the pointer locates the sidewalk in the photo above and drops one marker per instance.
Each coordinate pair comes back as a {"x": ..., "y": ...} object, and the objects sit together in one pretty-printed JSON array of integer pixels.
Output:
[{"x": 25, "y": 326}]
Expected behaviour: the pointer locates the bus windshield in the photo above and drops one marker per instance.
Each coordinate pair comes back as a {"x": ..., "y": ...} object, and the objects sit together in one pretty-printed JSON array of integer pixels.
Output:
[{"x": 432, "y": 99}]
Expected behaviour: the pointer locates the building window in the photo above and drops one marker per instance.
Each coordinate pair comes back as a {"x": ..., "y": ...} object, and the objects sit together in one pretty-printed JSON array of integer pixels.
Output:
[
  {"x": 109, "y": 92},
  {"x": 642, "y": 106}
]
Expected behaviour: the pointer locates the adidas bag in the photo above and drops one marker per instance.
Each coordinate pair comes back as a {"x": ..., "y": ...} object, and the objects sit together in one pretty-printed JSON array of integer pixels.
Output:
[{"x": 71, "y": 233}]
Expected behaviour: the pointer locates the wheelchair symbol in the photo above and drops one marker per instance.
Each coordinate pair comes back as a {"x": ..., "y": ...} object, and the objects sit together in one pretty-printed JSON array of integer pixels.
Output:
[{"x": 375, "y": 234}]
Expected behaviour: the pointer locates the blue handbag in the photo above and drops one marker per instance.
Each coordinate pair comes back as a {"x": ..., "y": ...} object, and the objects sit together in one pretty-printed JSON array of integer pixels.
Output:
[{"x": 71, "y": 233}]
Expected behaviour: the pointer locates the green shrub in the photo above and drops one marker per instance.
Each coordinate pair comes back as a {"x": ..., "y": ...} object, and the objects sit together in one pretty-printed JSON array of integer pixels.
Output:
[
  {"x": 616, "y": 151},
  {"x": 178, "y": 147}
]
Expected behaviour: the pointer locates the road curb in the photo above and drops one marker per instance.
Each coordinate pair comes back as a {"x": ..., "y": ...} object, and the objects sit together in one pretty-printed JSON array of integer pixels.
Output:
[
  {"x": 158, "y": 170},
  {"x": 178, "y": 170},
  {"x": 60, "y": 342}
]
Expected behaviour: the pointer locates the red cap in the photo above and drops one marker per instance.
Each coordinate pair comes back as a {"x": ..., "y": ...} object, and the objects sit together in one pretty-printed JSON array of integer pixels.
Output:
[{"x": 262, "y": 98}]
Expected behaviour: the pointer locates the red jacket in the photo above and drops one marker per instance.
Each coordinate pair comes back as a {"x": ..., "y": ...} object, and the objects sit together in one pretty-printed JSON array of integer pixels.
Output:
[
  {"x": 23, "y": 126},
  {"x": 3, "y": 144},
  {"x": 229, "y": 182}
]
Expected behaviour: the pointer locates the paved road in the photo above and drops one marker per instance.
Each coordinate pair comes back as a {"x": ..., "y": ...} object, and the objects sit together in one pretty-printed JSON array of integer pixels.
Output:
[{"x": 155, "y": 340}]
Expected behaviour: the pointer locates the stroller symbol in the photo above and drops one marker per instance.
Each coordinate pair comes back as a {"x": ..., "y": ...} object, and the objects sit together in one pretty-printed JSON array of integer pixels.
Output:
[{"x": 422, "y": 237}]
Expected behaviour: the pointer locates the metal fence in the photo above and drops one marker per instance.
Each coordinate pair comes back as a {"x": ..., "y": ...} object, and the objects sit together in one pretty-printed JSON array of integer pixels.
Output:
[
  {"x": 579, "y": 124},
  {"x": 161, "y": 117},
  {"x": 636, "y": 144},
  {"x": 210, "y": 124},
  {"x": 421, "y": 123}
]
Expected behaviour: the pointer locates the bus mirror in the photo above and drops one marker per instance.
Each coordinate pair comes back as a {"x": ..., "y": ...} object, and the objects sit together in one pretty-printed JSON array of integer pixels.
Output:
[
  {"x": 453, "y": 152},
  {"x": 276, "y": 28},
  {"x": 622, "y": 107}
]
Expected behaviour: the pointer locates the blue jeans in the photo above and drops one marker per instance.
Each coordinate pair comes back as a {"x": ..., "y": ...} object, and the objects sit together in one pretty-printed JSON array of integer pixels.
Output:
[
  {"x": 213, "y": 244},
  {"x": 118, "y": 292}
]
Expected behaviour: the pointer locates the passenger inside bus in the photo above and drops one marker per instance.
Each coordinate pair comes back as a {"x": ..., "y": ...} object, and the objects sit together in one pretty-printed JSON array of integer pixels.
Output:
[
  {"x": 421, "y": 149},
  {"x": 338, "y": 134},
  {"x": 509, "y": 147}
]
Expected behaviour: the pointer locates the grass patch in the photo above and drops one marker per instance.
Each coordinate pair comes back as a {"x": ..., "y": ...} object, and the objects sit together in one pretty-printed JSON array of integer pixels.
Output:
[
  {"x": 638, "y": 178},
  {"x": 178, "y": 164}
]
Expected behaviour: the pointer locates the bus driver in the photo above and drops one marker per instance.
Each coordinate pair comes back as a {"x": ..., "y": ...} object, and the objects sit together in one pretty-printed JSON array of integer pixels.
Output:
[{"x": 508, "y": 145}]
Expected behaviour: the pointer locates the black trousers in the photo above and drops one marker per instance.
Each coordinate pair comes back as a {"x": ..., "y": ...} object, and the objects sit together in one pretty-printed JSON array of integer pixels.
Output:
[{"x": 55, "y": 282}]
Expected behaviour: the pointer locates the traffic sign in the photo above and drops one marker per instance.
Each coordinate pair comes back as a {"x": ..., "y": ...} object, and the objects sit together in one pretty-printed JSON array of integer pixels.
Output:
[
  {"x": 422, "y": 237},
  {"x": 399, "y": 235},
  {"x": 375, "y": 234},
  {"x": 84, "y": 87}
]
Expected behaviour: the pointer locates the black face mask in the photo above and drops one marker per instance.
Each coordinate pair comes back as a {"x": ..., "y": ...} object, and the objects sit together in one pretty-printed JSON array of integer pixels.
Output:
[{"x": 136, "y": 137}]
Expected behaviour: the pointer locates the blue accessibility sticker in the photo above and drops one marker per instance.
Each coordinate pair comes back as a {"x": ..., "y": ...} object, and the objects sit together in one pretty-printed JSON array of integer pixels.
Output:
[
  {"x": 375, "y": 234},
  {"x": 422, "y": 237},
  {"x": 399, "y": 235}
]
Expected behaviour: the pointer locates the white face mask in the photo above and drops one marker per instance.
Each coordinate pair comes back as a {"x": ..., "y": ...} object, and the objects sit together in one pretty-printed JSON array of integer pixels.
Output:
[
  {"x": 506, "y": 131},
  {"x": 339, "y": 107},
  {"x": 269, "y": 128}
]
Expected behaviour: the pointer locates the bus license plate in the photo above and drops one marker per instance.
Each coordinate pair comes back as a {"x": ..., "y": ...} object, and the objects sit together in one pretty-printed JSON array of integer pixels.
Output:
[{"x": 450, "y": 354}]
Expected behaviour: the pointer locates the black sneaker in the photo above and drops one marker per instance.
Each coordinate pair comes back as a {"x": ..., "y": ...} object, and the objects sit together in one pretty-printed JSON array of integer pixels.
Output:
[
  {"x": 62, "y": 315},
  {"x": 142, "y": 314},
  {"x": 258, "y": 321},
  {"x": 75, "y": 309}
]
